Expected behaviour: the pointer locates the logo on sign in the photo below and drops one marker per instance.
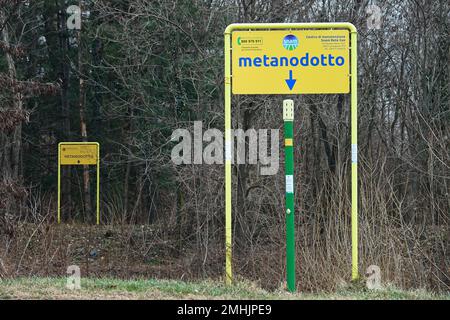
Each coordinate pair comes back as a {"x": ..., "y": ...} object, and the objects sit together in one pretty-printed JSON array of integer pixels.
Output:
[{"x": 290, "y": 42}]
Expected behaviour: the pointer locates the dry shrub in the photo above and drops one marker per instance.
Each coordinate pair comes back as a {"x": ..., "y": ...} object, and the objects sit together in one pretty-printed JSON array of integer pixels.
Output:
[
  {"x": 409, "y": 255},
  {"x": 11, "y": 191}
]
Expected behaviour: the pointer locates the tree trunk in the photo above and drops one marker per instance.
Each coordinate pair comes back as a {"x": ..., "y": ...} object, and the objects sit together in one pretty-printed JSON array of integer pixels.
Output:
[
  {"x": 84, "y": 136},
  {"x": 16, "y": 143},
  {"x": 65, "y": 109}
]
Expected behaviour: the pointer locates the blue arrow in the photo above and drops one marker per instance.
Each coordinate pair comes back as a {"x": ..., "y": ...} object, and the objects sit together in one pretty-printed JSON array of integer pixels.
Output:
[{"x": 291, "y": 82}]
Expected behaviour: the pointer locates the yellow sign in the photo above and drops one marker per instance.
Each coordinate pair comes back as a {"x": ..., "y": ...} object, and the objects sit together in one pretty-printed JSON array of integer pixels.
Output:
[
  {"x": 290, "y": 58},
  {"x": 78, "y": 154},
  {"x": 290, "y": 62}
]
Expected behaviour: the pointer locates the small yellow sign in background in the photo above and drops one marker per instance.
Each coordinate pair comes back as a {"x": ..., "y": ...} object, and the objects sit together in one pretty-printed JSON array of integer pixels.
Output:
[
  {"x": 270, "y": 78},
  {"x": 78, "y": 154}
]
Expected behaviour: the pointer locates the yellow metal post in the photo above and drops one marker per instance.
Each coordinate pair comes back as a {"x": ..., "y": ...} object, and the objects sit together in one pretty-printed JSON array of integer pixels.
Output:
[
  {"x": 98, "y": 184},
  {"x": 59, "y": 185},
  {"x": 228, "y": 153},
  {"x": 354, "y": 141},
  {"x": 354, "y": 127}
]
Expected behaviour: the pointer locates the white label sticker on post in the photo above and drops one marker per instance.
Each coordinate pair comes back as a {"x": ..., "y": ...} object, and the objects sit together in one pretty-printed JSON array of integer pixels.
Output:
[
  {"x": 354, "y": 153},
  {"x": 289, "y": 183},
  {"x": 228, "y": 156}
]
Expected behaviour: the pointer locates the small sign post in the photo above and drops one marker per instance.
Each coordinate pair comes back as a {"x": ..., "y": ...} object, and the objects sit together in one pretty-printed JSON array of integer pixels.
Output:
[
  {"x": 79, "y": 153},
  {"x": 288, "y": 117}
]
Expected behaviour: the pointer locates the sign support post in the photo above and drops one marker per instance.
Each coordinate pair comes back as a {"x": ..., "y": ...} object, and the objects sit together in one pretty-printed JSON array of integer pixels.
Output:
[
  {"x": 228, "y": 239},
  {"x": 288, "y": 117},
  {"x": 79, "y": 153},
  {"x": 254, "y": 50},
  {"x": 98, "y": 186},
  {"x": 354, "y": 142},
  {"x": 59, "y": 184}
]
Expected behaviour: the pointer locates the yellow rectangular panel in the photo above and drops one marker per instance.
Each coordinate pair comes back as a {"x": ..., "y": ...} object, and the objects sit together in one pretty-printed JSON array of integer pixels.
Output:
[
  {"x": 288, "y": 142},
  {"x": 78, "y": 154},
  {"x": 290, "y": 62}
]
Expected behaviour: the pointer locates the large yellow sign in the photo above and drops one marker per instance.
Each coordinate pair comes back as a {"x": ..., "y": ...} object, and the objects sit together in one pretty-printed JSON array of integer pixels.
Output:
[
  {"x": 290, "y": 62},
  {"x": 78, "y": 154}
]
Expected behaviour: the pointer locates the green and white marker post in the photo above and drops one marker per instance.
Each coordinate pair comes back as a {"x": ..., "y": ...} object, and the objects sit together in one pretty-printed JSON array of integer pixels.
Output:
[{"x": 288, "y": 117}]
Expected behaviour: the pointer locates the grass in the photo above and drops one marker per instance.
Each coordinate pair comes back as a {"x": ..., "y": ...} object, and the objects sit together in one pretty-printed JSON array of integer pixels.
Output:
[{"x": 55, "y": 288}]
